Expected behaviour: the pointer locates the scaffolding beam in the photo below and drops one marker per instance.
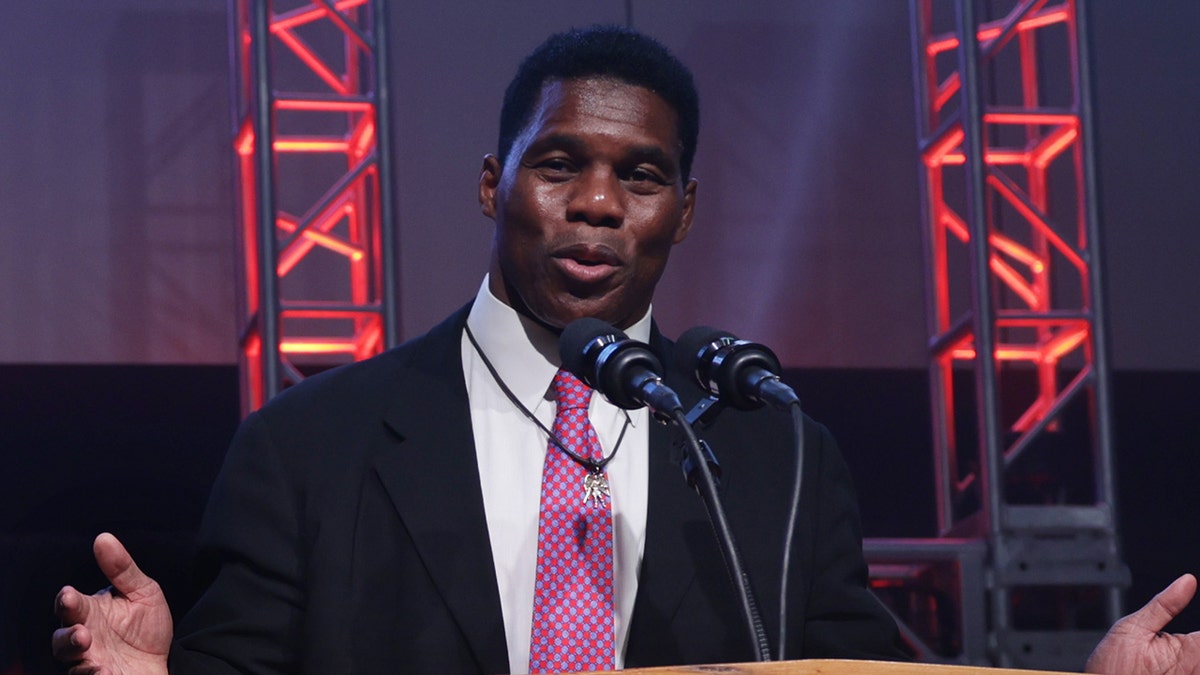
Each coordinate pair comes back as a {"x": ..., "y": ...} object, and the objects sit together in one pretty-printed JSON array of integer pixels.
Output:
[
  {"x": 316, "y": 273},
  {"x": 1018, "y": 357}
]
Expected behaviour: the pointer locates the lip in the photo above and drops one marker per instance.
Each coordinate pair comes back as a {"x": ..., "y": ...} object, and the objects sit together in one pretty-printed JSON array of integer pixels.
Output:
[{"x": 587, "y": 263}]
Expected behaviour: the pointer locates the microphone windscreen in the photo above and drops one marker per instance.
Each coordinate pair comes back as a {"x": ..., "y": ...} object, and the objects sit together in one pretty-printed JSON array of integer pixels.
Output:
[
  {"x": 692, "y": 342},
  {"x": 574, "y": 341}
]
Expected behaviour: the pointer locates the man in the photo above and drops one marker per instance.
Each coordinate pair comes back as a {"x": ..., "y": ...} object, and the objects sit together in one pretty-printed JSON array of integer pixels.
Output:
[{"x": 397, "y": 514}]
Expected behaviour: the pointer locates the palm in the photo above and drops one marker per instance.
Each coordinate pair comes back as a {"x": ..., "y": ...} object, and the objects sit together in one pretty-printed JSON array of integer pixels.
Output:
[
  {"x": 133, "y": 632},
  {"x": 123, "y": 630},
  {"x": 1137, "y": 645},
  {"x": 1175, "y": 654}
]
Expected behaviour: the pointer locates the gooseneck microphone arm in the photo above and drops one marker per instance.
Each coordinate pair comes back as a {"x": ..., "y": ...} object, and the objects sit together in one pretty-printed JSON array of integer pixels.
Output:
[
  {"x": 745, "y": 375},
  {"x": 628, "y": 374},
  {"x": 707, "y": 488}
]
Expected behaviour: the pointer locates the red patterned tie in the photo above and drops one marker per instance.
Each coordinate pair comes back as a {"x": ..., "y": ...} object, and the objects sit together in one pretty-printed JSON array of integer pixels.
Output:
[{"x": 573, "y": 594}]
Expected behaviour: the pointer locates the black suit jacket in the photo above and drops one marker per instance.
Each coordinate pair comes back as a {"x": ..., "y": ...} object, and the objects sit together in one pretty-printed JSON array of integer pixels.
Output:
[{"x": 346, "y": 533}]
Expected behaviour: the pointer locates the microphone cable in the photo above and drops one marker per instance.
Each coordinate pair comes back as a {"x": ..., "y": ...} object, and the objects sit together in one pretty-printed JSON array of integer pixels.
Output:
[{"x": 790, "y": 531}]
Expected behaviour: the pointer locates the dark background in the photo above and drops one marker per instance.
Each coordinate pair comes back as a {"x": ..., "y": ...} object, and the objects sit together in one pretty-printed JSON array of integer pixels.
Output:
[{"x": 118, "y": 391}]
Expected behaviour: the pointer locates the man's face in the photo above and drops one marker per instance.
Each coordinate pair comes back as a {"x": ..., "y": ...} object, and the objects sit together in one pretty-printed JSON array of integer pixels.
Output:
[{"x": 588, "y": 203}]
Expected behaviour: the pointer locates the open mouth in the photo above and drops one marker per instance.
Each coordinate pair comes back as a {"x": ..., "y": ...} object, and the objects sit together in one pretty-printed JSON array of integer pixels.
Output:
[{"x": 587, "y": 264}]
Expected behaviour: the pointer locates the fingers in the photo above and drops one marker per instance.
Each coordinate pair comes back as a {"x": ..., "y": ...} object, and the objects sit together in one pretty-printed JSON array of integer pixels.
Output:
[
  {"x": 71, "y": 606},
  {"x": 1175, "y": 598},
  {"x": 68, "y": 644},
  {"x": 116, "y": 564},
  {"x": 1166, "y": 605}
]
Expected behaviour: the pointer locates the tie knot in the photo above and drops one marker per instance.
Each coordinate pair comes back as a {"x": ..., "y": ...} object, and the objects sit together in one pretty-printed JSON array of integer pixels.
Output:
[{"x": 570, "y": 392}]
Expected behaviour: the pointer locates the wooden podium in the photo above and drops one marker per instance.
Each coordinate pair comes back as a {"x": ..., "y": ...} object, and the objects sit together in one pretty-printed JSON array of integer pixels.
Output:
[{"x": 828, "y": 667}]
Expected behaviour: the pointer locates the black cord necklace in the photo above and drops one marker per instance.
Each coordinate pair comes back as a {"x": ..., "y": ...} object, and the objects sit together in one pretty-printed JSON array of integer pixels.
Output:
[{"x": 595, "y": 483}]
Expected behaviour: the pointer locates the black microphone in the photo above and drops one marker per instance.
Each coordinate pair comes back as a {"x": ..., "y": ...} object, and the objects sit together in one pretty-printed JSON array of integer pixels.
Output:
[
  {"x": 624, "y": 370},
  {"x": 740, "y": 373},
  {"x": 630, "y": 376}
]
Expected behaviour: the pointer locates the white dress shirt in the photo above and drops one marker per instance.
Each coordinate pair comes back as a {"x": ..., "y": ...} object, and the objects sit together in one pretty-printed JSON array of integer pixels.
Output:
[{"x": 511, "y": 450}]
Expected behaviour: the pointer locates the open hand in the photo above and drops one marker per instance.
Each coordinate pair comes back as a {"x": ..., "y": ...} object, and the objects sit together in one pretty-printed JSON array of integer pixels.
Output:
[
  {"x": 124, "y": 629},
  {"x": 1137, "y": 644}
]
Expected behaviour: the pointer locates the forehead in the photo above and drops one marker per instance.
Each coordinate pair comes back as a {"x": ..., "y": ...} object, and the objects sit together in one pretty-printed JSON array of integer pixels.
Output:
[{"x": 603, "y": 107}]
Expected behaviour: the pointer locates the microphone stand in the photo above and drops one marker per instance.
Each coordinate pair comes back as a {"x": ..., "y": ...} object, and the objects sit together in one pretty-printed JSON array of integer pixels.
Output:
[{"x": 700, "y": 477}]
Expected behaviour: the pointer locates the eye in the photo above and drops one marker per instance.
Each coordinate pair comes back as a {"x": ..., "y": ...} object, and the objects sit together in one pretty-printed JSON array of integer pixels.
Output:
[
  {"x": 644, "y": 179},
  {"x": 556, "y": 168}
]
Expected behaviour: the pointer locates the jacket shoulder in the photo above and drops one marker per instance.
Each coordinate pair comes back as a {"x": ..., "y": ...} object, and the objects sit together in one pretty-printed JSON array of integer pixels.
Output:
[{"x": 434, "y": 354}]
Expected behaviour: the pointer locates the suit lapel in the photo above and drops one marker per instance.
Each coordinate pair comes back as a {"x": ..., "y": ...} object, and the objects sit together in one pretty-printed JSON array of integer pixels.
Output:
[
  {"x": 432, "y": 480},
  {"x": 668, "y": 570}
]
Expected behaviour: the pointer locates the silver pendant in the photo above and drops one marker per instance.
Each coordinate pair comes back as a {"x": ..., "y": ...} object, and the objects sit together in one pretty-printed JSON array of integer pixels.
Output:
[{"x": 595, "y": 488}]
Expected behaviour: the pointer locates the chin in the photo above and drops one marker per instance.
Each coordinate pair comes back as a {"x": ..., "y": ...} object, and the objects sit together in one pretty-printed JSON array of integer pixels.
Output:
[
  {"x": 559, "y": 315},
  {"x": 559, "y": 320}
]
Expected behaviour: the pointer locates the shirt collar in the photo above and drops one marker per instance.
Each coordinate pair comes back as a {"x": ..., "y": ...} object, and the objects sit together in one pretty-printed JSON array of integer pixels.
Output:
[{"x": 524, "y": 353}]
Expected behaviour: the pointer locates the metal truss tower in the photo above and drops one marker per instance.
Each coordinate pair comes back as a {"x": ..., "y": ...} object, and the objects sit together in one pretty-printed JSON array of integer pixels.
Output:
[
  {"x": 317, "y": 271},
  {"x": 1018, "y": 353}
]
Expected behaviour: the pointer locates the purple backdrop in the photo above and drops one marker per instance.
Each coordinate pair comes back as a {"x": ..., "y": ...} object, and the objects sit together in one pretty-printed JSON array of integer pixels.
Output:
[{"x": 116, "y": 234}]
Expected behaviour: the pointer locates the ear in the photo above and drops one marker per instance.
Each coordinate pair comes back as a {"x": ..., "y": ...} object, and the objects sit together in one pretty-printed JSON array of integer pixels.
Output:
[
  {"x": 489, "y": 183},
  {"x": 689, "y": 206}
]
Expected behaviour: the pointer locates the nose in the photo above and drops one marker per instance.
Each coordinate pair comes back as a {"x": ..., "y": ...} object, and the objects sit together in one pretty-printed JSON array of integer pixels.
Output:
[{"x": 597, "y": 199}]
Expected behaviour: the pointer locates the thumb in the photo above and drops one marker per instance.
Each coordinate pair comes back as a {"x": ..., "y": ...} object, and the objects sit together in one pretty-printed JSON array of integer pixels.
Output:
[
  {"x": 116, "y": 564},
  {"x": 1166, "y": 605}
]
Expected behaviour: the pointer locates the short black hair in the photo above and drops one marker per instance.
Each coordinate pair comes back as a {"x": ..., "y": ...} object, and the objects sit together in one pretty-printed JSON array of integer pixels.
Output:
[{"x": 603, "y": 51}]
